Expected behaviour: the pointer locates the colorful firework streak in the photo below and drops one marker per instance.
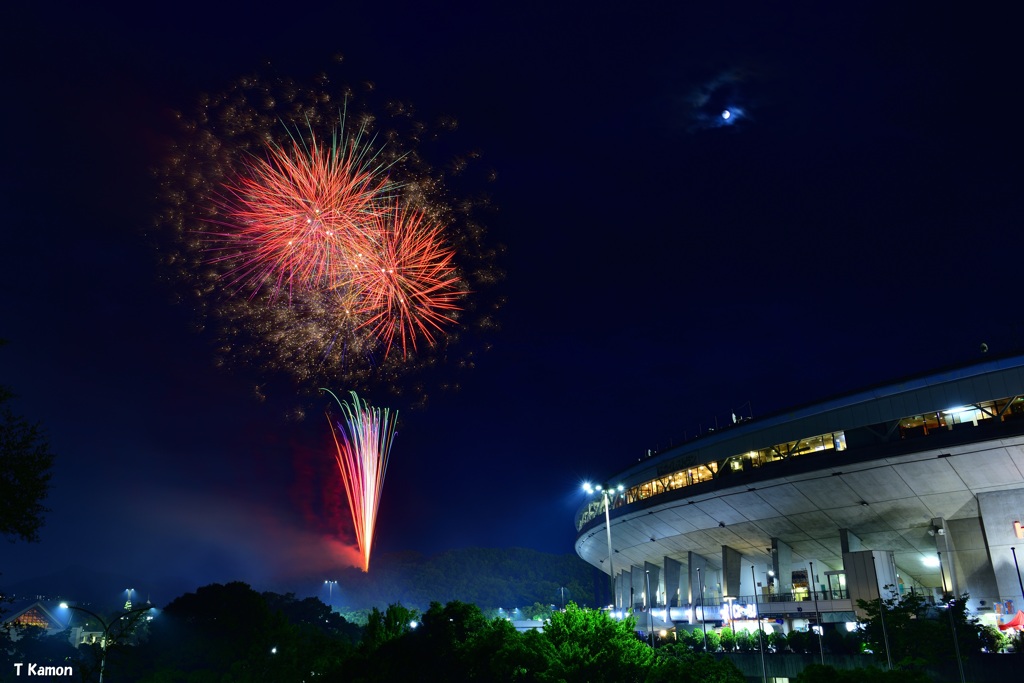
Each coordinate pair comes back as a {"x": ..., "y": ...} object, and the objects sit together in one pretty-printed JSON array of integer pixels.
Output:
[
  {"x": 313, "y": 239},
  {"x": 362, "y": 440}
]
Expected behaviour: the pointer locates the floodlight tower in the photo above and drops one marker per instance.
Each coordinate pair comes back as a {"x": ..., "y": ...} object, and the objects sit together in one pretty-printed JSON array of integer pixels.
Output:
[{"x": 607, "y": 494}]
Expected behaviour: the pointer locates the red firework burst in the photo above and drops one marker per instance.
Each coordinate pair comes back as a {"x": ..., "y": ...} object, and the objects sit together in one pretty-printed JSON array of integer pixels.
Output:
[
  {"x": 405, "y": 279},
  {"x": 293, "y": 215}
]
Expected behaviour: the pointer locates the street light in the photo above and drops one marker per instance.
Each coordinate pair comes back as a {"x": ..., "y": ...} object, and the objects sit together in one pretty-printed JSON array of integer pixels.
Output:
[
  {"x": 650, "y": 608},
  {"x": 608, "y": 527},
  {"x": 330, "y": 591},
  {"x": 729, "y": 600},
  {"x": 703, "y": 621},
  {"x": 817, "y": 614},
  {"x": 108, "y": 639},
  {"x": 760, "y": 632}
]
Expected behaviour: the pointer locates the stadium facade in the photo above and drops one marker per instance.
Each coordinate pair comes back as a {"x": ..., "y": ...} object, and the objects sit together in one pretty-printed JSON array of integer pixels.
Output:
[{"x": 916, "y": 486}]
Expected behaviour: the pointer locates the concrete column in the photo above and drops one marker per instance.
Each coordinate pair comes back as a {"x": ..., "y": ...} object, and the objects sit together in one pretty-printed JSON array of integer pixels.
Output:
[
  {"x": 622, "y": 586},
  {"x": 693, "y": 563},
  {"x": 732, "y": 561},
  {"x": 850, "y": 542},
  {"x": 637, "y": 586},
  {"x": 675, "y": 591},
  {"x": 944, "y": 546},
  {"x": 653, "y": 574},
  {"x": 1002, "y": 514},
  {"x": 782, "y": 565}
]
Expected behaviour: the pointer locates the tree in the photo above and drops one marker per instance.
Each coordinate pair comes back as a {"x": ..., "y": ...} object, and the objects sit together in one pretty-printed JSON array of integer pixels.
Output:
[
  {"x": 25, "y": 462},
  {"x": 223, "y": 629},
  {"x": 674, "y": 663},
  {"x": 383, "y": 627},
  {"x": 590, "y": 646},
  {"x": 919, "y": 634},
  {"x": 35, "y": 644}
]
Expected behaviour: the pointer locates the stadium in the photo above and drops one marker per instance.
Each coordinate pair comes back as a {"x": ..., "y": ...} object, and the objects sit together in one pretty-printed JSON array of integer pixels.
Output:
[{"x": 790, "y": 519}]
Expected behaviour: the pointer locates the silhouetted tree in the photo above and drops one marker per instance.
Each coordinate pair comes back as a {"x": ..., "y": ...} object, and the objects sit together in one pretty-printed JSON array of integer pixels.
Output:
[{"x": 25, "y": 462}]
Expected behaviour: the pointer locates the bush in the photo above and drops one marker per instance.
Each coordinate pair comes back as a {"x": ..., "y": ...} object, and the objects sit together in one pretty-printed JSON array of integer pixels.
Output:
[
  {"x": 727, "y": 639},
  {"x": 802, "y": 641},
  {"x": 778, "y": 640}
]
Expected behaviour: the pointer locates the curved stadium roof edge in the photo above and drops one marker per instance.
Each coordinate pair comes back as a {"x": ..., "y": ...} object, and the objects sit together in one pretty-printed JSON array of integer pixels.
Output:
[{"x": 933, "y": 391}]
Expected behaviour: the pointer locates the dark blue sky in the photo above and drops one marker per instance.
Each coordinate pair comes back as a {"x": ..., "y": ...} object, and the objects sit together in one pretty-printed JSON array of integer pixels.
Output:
[{"x": 858, "y": 221}]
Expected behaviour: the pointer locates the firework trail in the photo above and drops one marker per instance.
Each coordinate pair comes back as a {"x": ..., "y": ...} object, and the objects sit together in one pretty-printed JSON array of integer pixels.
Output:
[{"x": 363, "y": 441}]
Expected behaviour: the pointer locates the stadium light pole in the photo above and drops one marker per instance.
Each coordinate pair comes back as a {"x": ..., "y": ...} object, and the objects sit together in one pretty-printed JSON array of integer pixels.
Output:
[
  {"x": 608, "y": 528},
  {"x": 330, "y": 591}
]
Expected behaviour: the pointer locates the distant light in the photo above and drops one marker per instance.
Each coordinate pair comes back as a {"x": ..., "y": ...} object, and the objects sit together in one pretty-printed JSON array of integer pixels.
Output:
[
  {"x": 273, "y": 650},
  {"x": 413, "y": 624},
  {"x": 726, "y": 114},
  {"x": 64, "y": 605}
]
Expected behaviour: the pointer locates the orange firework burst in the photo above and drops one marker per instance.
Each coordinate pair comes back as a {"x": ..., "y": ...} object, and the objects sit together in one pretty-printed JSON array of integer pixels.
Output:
[
  {"x": 312, "y": 219},
  {"x": 317, "y": 240},
  {"x": 292, "y": 216},
  {"x": 404, "y": 274}
]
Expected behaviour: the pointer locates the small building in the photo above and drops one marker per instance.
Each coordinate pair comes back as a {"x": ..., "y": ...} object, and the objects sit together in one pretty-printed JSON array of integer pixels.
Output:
[{"x": 43, "y": 614}]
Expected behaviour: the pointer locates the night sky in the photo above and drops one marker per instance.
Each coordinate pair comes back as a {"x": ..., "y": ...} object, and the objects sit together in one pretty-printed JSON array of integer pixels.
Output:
[{"x": 855, "y": 220}]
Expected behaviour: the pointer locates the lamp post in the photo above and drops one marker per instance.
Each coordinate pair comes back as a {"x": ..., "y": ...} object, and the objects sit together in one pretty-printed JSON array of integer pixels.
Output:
[
  {"x": 817, "y": 614},
  {"x": 729, "y": 600},
  {"x": 107, "y": 639},
  {"x": 606, "y": 495},
  {"x": 760, "y": 636},
  {"x": 949, "y": 610},
  {"x": 703, "y": 621},
  {"x": 650, "y": 608},
  {"x": 885, "y": 633},
  {"x": 1017, "y": 567}
]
